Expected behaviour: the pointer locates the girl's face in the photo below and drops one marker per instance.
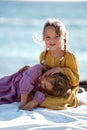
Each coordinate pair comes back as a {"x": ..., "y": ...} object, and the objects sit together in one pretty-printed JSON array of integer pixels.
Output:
[
  {"x": 52, "y": 40},
  {"x": 45, "y": 84}
]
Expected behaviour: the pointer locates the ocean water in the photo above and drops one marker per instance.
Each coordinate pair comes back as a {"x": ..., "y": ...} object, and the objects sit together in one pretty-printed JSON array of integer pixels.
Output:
[{"x": 20, "y": 21}]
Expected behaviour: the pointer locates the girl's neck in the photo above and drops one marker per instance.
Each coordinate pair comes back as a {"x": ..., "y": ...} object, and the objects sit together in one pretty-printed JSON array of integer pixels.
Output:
[{"x": 57, "y": 53}]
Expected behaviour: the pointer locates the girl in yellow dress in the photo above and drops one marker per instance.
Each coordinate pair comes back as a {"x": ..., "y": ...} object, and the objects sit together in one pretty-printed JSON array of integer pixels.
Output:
[{"x": 60, "y": 60}]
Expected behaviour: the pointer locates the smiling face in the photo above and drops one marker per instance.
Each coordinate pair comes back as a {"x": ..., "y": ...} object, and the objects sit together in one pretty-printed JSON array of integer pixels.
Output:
[
  {"x": 53, "y": 40},
  {"x": 54, "y": 34}
]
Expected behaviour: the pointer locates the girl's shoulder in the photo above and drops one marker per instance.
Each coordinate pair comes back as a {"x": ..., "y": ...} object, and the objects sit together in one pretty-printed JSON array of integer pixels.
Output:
[
  {"x": 70, "y": 54},
  {"x": 36, "y": 67},
  {"x": 34, "y": 71},
  {"x": 44, "y": 54}
]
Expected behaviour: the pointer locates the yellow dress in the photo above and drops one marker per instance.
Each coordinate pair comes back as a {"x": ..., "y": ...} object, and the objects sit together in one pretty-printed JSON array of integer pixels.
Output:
[{"x": 70, "y": 67}]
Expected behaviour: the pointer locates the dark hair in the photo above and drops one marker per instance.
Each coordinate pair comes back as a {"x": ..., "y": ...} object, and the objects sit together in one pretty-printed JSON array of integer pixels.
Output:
[
  {"x": 60, "y": 83},
  {"x": 45, "y": 68},
  {"x": 61, "y": 86}
]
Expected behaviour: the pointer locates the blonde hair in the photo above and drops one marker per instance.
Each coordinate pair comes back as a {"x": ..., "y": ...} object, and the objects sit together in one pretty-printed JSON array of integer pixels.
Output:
[{"x": 60, "y": 28}]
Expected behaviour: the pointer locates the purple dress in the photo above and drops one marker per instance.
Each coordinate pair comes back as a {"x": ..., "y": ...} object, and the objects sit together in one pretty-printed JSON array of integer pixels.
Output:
[{"x": 12, "y": 86}]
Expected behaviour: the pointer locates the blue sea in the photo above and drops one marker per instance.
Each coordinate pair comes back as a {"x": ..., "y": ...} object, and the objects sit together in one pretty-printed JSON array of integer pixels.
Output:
[{"x": 20, "y": 21}]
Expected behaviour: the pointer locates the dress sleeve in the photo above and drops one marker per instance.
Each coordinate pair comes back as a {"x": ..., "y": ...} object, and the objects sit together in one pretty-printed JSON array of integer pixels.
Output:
[
  {"x": 71, "y": 70},
  {"x": 29, "y": 78},
  {"x": 39, "y": 96}
]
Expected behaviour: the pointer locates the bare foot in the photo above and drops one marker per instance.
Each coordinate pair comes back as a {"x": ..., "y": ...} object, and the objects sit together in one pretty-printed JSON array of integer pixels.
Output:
[{"x": 81, "y": 103}]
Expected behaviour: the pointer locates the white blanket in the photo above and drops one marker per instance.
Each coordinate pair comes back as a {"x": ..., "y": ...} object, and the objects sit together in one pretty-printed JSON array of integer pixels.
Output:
[{"x": 11, "y": 118}]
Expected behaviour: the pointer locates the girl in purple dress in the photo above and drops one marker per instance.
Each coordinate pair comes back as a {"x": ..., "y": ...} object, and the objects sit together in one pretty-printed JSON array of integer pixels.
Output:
[{"x": 18, "y": 87}]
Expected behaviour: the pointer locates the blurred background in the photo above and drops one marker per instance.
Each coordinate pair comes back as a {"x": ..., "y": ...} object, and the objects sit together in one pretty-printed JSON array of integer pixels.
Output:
[{"x": 20, "y": 21}]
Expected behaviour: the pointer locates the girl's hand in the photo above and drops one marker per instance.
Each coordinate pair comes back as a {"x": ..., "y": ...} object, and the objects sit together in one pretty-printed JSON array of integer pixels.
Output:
[
  {"x": 21, "y": 106},
  {"x": 24, "y": 100},
  {"x": 30, "y": 105},
  {"x": 53, "y": 70},
  {"x": 24, "y": 68}
]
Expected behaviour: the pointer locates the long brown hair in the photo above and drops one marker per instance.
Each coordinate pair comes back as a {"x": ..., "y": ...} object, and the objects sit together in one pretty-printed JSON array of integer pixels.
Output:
[
  {"x": 61, "y": 86},
  {"x": 60, "y": 83}
]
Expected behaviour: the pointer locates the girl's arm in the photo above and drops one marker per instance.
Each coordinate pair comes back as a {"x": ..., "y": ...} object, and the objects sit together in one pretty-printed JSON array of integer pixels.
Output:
[
  {"x": 54, "y": 70},
  {"x": 24, "y": 99},
  {"x": 24, "y": 68},
  {"x": 37, "y": 100},
  {"x": 27, "y": 82},
  {"x": 31, "y": 105},
  {"x": 69, "y": 67},
  {"x": 71, "y": 70}
]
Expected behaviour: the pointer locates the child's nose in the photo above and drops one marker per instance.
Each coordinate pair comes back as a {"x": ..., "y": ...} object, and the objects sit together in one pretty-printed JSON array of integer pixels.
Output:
[{"x": 51, "y": 39}]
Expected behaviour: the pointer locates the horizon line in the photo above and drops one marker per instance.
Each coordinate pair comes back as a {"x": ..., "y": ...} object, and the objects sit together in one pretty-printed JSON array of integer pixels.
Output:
[{"x": 46, "y": 0}]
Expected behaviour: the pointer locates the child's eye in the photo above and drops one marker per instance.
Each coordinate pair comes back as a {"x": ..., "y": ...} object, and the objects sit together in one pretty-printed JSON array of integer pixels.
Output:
[
  {"x": 47, "y": 38},
  {"x": 52, "y": 38},
  {"x": 56, "y": 37}
]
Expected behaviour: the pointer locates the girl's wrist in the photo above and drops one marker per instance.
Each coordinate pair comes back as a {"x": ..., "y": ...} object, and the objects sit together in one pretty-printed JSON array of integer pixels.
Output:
[{"x": 35, "y": 102}]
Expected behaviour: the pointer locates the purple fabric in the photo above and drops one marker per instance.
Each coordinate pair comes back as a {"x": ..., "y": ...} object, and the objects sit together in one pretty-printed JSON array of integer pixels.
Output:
[{"x": 12, "y": 86}]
